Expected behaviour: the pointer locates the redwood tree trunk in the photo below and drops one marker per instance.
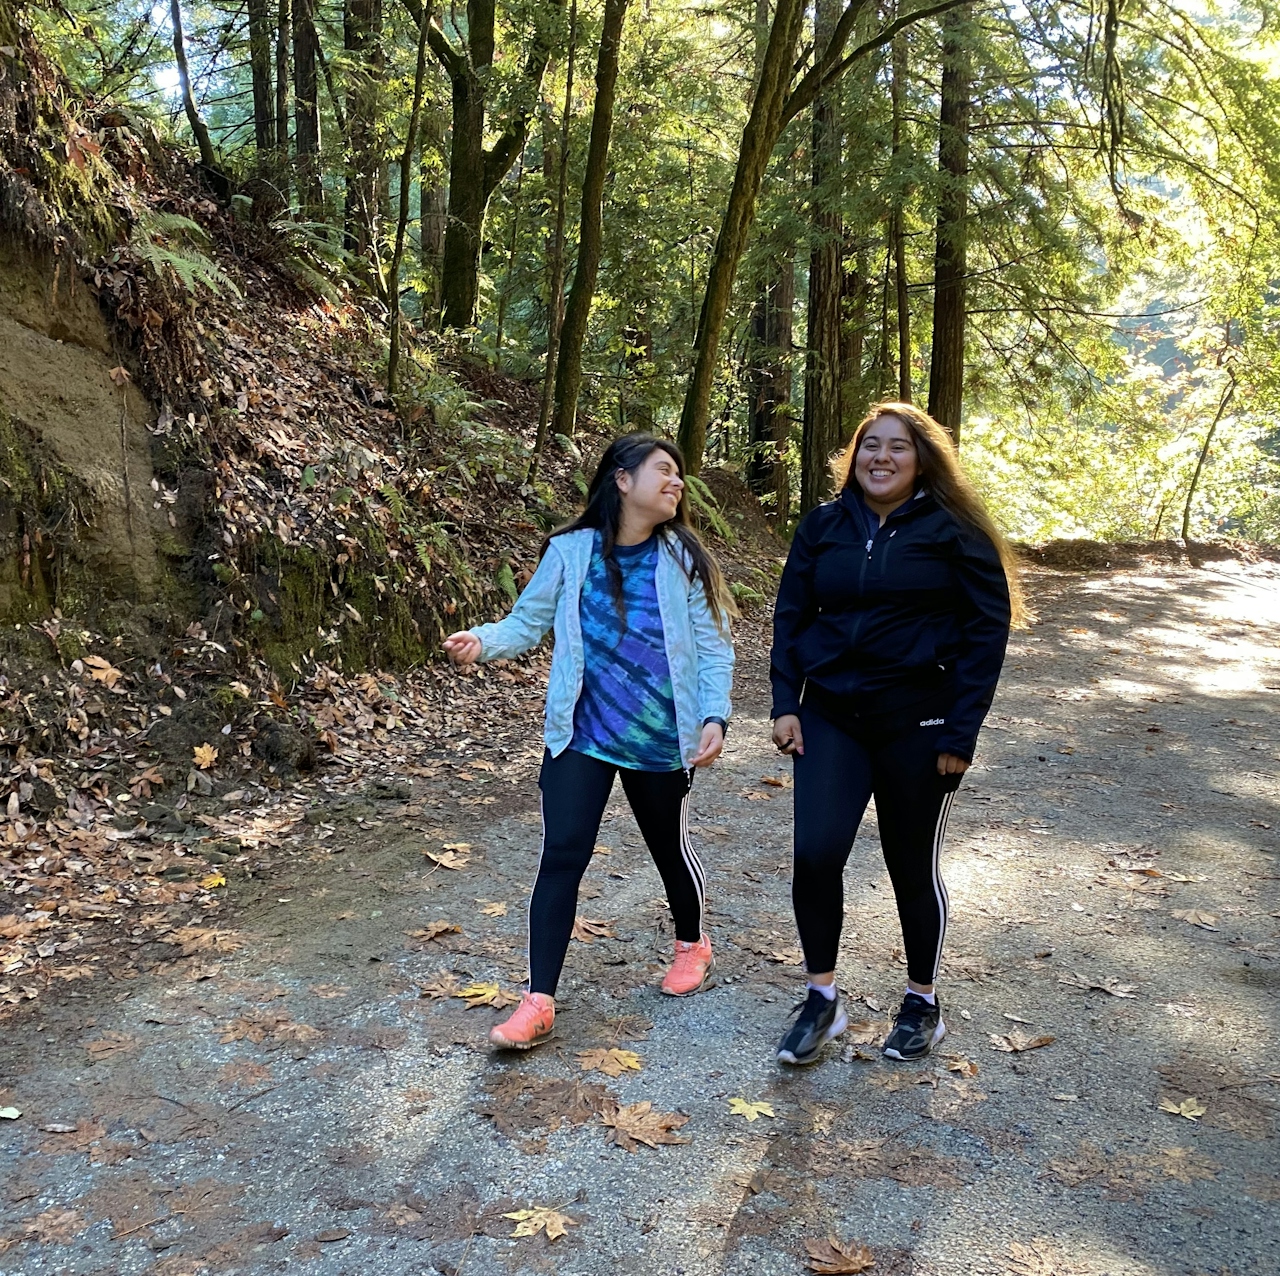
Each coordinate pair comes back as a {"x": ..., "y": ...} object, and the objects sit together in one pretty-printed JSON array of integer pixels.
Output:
[
  {"x": 770, "y": 381},
  {"x": 946, "y": 368},
  {"x": 264, "y": 119},
  {"x": 307, "y": 110},
  {"x": 284, "y": 39},
  {"x": 898, "y": 77},
  {"x": 362, "y": 38},
  {"x": 821, "y": 434},
  {"x": 590, "y": 232}
]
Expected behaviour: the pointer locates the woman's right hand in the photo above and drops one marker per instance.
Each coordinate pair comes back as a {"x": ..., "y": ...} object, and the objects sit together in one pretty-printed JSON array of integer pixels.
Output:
[
  {"x": 787, "y": 735},
  {"x": 462, "y": 648}
]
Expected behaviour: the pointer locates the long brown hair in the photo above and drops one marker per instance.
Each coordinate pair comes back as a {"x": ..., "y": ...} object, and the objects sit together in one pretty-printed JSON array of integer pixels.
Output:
[
  {"x": 604, "y": 511},
  {"x": 943, "y": 478}
]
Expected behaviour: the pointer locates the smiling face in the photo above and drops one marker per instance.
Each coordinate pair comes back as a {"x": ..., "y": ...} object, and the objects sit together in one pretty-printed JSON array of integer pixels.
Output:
[
  {"x": 651, "y": 493},
  {"x": 887, "y": 464}
]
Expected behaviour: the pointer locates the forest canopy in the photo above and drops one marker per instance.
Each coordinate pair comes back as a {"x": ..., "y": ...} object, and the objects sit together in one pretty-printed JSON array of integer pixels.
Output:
[{"x": 1053, "y": 223}]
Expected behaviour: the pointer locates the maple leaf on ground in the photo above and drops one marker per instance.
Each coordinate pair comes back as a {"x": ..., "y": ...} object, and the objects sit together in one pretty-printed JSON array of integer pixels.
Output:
[
  {"x": 445, "y": 986},
  {"x": 450, "y": 857},
  {"x": 1016, "y": 1042},
  {"x": 434, "y": 930},
  {"x": 541, "y": 1218},
  {"x": 492, "y": 907},
  {"x": 1192, "y": 1109},
  {"x": 743, "y": 1108},
  {"x": 834, "y": 1256},
  {"x": 203, "y": 939},
  {"x": 639, "y": 1123},
  {"x": 103, "y": 671},
  {"x": 204, "y": 756},
  {"x": 485, "y": 995},
  {"x": 775, "y": 781},
  {"x": 1197, "y": 917},
  {"x": 588, "y": 930},
  {"x": 964, "y": 1067},
  {"x": 612, "y": 1062}
]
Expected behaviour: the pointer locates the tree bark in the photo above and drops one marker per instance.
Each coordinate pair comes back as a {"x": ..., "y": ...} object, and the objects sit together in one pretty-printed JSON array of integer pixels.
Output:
[
  {"x": 306, "y": 105},
  {"x": 770, "y": 381},
  {"x": 362, "y": 39},
  {"x": 555, "y": 289},
  {"x": 207, "y": 156},
  {"x": 946, "y": 365},
  {"x": 284, "y": 40},
  {"x": 772, "y": 108},
  {"x": 431, "y": 212},
  {"x": 852, "y": 338},
  {"x": 897, "y": 78},
  {"x": 821, "y": 433},
  {"x": 402, "y": 220},
  {"x": 590, "y": 232},
  {"x": 264, "y": 119}
]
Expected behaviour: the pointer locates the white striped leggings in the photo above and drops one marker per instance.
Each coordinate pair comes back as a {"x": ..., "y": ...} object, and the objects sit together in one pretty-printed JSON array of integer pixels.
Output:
[
  {"x": 840, "y": 770},
  {"x": 575, "y": 789}
]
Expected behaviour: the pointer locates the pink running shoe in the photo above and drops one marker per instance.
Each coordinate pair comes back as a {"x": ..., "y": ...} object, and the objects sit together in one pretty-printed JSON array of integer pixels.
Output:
[
  {"x": 529, "y": 1026},
  {"x": 690, "y": 969}
]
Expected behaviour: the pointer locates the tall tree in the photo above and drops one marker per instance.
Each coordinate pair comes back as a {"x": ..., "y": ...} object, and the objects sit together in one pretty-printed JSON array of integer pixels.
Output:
[
  {"x": 769, "y": 386},
  {"x": 198, "y": 126},
  {"x": 821, "y": 432},
  {"x": 946, "y": 365},
  {"x": 306, "y": 107},
  {"x": 898, "y": 219},
  {"x": 578, "y": 307},
  {"x": 775, "y": 104},
  {"x": 284, "y": 41},
  {"x": 475, "y": 169},
  {"x": 362, "y": 39},
  {"x": 264, "y": 119}
]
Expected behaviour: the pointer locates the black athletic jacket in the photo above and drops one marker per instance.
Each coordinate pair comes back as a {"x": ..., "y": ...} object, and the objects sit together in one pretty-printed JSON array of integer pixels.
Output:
[{"x": 922, "y": 607}]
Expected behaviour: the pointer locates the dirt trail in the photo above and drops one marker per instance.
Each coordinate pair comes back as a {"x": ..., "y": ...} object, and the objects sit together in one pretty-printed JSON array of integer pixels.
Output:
[{"x": 297, "y": 1104}]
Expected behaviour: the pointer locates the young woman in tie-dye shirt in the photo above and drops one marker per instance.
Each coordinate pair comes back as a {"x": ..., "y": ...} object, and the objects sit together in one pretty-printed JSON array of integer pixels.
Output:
[{"x": 639, "y": 686}]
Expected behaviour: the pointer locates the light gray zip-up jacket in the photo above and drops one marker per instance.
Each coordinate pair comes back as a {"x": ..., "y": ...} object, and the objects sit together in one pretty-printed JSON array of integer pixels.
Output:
[{"x": 700, "y": 655}]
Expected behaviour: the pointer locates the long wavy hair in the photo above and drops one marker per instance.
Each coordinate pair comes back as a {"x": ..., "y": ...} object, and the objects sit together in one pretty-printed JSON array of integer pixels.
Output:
[
  {"x": 943, "y": 477},
  {"x": 603, "y": 512}
]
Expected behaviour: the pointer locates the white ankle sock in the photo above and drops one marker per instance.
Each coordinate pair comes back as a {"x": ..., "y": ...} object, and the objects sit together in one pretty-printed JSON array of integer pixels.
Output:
[
  {"x": 930, "y": 997},
  {"x": 827, "y": 990}
]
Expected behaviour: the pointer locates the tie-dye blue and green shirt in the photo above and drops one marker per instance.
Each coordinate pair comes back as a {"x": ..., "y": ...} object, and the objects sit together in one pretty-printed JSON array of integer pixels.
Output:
[{"x": 626, "y": 711}]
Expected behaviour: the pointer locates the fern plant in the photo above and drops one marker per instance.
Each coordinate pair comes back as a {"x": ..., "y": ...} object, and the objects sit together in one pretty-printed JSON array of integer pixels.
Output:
[
  {"x": 172, "y": 246},
  {"x": 701, "y": 498}
]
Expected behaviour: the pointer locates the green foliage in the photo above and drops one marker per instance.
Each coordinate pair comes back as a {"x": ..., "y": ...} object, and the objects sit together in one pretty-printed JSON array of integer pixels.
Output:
[
  {"x": 172, "y": 246},
  {"x": 707, "y": 507}
]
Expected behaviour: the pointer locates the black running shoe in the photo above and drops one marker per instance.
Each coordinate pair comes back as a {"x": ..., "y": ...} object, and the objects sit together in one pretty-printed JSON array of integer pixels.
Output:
[
  {"x": 820, "y": 1019},
  {"x": 917, "y": 1028}
]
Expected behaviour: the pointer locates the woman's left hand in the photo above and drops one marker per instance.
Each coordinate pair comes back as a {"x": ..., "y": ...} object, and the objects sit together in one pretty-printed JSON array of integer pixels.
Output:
[
  {"x": 950, "y": 764},
  {"x": 710, "y": 745}
]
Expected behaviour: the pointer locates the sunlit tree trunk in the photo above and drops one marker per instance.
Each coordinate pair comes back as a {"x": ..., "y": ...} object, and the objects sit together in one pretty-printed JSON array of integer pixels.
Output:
[
  {"x": 198, "y": 128},
  {"x": 264, "y": 119},
  {"x": 306, "y": 107},
  {"x": 284, "y": 40},
  {"x": 946, "y": 367},
  {"x": 590, "y": 232}
]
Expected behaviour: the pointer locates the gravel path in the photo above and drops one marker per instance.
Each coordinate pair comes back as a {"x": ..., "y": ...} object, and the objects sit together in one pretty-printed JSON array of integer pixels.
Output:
[{"x": 304, "y": 1093}]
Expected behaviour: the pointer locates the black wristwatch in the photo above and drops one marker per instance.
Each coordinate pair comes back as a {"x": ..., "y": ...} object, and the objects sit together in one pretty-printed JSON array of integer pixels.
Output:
[{"x": 720, "y": 722}]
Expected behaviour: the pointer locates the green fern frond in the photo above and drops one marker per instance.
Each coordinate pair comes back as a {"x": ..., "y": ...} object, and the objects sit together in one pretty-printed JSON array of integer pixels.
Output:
[
  {"x": 701, "y": 498},
  {"x": 170, "y": 245}
]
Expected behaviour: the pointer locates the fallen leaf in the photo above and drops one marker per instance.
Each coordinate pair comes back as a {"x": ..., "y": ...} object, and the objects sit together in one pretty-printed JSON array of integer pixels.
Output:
[
  {"x": 203, "y": 939},
  {"x": 639, "y": 1123},
  {"x": 492, "y": 907},
  {"x": 1016, "y": 1042},
  {"x": 103, "y": 671},
  {"x": 541, "y": 1218},
  {"x": 834, "y": 1256},
  {"x": 485, "y": 995},
  {"x": 110, "y": 1043},
  {"x": 433, "y": 930},
  {"x": 1113, "y": 987},
  {"x": 212, "y": 881},
  {"x": 1192, "y": 1109},
  {"x": 331, "y": 1234},
  {"x": 1206, "y": 921},
  {"x": 775, "y": 781},
  {"x": 10, "y": 1114},
  {"x": 612, "y": 1062},
  {"x": 448, "y": 858},
  {"x": 57, "y": 1227},
  {"x": 204, "y": 756},
  {"x": 741, "y": 1107},
  {"x": 964, "y": 1067},
  {"x": 588, "y": 931},
  {"x": 445, "y": 986}
]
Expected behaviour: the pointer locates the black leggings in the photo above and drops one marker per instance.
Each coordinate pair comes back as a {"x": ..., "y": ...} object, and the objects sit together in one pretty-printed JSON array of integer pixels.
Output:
[
  {"x": 897, "y": 761},
  {"x": 575, "y": 789}
]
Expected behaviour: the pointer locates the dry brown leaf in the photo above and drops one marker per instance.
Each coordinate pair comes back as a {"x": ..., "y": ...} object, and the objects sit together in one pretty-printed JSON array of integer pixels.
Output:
[
  {"x": 541, "y": 1218},
  {"x": 243, "y": 1072},
  {"x": 1040, "y": 1258},
  {"x": 1113, "y": 987},
  {"x": 203, "y": 939},
  {"x": 109, "y": 1044},
  {"x": 204, "y": 756},
  {"x": 776, "y": 781},
  {"x": 639, "y": 1123},
  {"x": 448, "y": 858},
  {"x": 492, "y": 907},
  {"x": 55, "y": 1227},
  {"x": 1016, "y": 1042},
  {"x": 434, "y": 930},
  {"x": 751, "y": 1111},
  {"x": 103, "y": 671},
  {"x": 588, "y": 930},
  {"x": 1192, "y": 1109},
  {"x": 964, "y": 1067},
  {"x": 438, "y": 990},
  {"x": 1197, "y": 917},
  {"x": 612, "y": 1062},
  {"x": 486, "y": 995},
  {"x": 838, "y": 1258}
]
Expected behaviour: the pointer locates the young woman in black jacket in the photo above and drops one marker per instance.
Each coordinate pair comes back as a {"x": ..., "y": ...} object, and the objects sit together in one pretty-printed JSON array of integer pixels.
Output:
[{"x": 889, "y": 633}]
